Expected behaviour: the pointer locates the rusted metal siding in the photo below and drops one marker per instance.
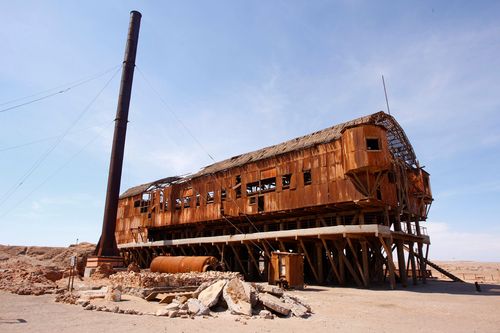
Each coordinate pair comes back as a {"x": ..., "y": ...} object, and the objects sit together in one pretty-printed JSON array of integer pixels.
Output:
[{"x": 341, "y": 171}]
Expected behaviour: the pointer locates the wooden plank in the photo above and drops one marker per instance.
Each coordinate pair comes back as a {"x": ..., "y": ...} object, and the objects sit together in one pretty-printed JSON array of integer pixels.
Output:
[
  {"x": 347, "y": 264},
  {"x": 390, "y": 262},
  {"x": 356, "y": 261},
  {"x": 311, "y": 265},
  {"x": 332, "y": 262}
]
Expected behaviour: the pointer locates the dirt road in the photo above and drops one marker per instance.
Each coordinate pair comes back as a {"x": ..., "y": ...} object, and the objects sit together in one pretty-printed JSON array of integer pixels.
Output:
[{"x": 436, "y": 307}]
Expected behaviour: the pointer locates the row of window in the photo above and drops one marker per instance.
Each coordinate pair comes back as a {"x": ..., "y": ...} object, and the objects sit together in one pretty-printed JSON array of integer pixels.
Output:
[{"x": 261, "y": 186}]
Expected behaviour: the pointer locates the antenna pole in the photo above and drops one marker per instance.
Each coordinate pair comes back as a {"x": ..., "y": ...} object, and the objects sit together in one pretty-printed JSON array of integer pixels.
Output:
[{"x": 385, "y": 92}]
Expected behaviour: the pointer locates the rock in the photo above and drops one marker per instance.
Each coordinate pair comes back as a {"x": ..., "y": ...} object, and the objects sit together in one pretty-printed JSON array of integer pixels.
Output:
[
  {"x": 162, "y": 312},
  {"x": 202, "y": 287},
  {"x": 133, "y": 267},
  {"x": 238, "y": 302},
  {"x": 114, "y": 294},
  {"x": 115, "y": 309},
  {"x": 273, "y": 290},
  {"x": 103, "y": 272},
  {"x": 183, "y": 306},
  {"x": 89, "y": 307},
  {"x": 180, "y": 299},
  {"x": 211, "y": 294},
  {"x": 196, "y": 308},
  {"x": 184, "y": 316},
  {"x": 251, "y": 293},
  {"x": 298, "y": 300},
  {"x": 298, "y": 310},
  {"x": 173, "y": 314},
  {"x": 266, "y": 314},
  {"x": 172, "y": 306},
  {"x": 274, "y": 303}
]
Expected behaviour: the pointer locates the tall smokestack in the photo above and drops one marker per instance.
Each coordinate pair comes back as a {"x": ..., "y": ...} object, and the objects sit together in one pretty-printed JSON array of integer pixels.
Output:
[{"x": 107, "y": 250}]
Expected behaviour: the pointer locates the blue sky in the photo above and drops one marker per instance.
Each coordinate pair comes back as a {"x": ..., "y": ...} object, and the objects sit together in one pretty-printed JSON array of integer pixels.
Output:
[{"x": 243, "y": 75}]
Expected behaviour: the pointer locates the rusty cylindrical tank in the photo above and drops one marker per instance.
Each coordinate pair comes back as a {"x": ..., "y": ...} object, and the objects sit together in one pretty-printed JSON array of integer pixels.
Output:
[{"x": 184, "y": 264}]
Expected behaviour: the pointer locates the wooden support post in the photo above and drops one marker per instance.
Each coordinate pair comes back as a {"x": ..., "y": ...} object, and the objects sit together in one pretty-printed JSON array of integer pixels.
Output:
[
  {"x": 343, "y": 258},
  {"x": 411, "y": 258},
  {"x": 329, "y": 255},
  {"x": 319, "y": 261},
  {"x": 222, "y": 258},
  {"x": 311, "y": 264},
  {"x": 238, "y": 259},
  {"x": 282, "y": 246},
  {"x": 252, "y": 258},
  {"x": 356, "y": 261},
  {"x": 366, "y": 269},
  {"x": 401, "y": 263},
  {"x": 390, "y": 262}
]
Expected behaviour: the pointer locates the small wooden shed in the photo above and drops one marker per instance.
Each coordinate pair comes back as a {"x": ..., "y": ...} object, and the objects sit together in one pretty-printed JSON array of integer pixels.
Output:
[{"x": 287, "y": 269}]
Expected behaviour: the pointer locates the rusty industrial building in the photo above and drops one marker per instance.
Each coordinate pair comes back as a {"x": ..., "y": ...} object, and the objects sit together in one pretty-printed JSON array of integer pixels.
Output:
[{"x": 351, "y": 198}]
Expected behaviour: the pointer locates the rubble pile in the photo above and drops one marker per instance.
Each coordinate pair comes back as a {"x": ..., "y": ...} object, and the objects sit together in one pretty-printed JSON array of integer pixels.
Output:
[
  {"x": 239, "y": 298},
  {"x": 152, "y": 280}
]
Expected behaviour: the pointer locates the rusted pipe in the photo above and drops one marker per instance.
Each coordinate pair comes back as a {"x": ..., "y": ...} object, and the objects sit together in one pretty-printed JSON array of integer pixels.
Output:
[{"x": 184, "y": 264}]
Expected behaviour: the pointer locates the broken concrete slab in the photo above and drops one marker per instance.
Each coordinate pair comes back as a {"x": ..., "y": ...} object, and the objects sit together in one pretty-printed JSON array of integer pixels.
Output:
[
  {"x": 298, "y": 310},
  {"x": 251, "y": 293},
  {"x": 238, "y": 302},
  {"x": 210, "y": 296},
  {"x": 196, "y": 308},
  {"x": 274, "y": 303},
  {"x": 273, "y": 290}
]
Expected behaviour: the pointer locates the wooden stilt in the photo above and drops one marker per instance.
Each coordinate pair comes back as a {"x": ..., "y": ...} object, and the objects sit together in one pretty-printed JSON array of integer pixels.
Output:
[
  {"x": 311, "y": 264},
  {"x": 329, "y": 255},
  {"x": 390, "y": 262},
  {"x": 356, "y": 261}
]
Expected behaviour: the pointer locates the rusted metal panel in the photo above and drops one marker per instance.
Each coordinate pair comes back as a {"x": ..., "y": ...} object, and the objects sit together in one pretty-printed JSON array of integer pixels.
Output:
[{"x": 335, "y": 167}]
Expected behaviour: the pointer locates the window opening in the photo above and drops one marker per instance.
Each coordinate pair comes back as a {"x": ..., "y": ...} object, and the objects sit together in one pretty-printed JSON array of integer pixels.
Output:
[
  {"x": 198, "y": 200},
  {"x": 187, "y": 202},
  {"x": 252, "y": 200},
  {"x": 372, "y": 144},
  {"x": 178, "y": 203},
  {"x": 210, "y": 197},
  {"x": 238, "y": 188},
  {"x": 252, "y": 188},
  {"x": 223, "y": 194},
  {"x": 307, "y": 177},
  {"x": 268, "y": 184},
  {"x": 260, "y": 205},
  {"x": 286, "y": 180}
]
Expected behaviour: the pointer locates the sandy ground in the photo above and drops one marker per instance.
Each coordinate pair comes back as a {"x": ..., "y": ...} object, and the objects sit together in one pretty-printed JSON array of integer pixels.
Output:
[{"x": 438, "y": 306}]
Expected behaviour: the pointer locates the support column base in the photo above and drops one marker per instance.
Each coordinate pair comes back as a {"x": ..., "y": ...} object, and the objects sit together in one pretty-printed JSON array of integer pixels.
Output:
[{"x": 96, "y": 261}]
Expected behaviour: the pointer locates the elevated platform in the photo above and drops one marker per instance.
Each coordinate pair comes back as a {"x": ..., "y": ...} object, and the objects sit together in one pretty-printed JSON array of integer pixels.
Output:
[{"x": 332, "y": 232}]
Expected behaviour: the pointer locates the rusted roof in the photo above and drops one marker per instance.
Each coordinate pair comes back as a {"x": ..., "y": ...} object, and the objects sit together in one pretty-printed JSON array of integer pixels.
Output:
[
  {"x": 149, "y": 186},
  {"x": 398, "y": 144}
]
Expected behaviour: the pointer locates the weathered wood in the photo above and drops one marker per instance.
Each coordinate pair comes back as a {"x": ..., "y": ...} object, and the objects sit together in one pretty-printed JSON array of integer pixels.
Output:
[
  {"x": 390, "y": 262},
  {"x": 332, "y": 262},
  {"x": 309, "y": 261}
]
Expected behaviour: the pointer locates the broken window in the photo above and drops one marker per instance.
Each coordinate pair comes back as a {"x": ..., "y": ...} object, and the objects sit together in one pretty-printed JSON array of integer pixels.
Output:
[
  {"x": 178, "y": 203},
  {"x": 307, "y": 177},
  {"x": 137, "y": 203},
  {"x": 372, "y": 144},
  {"x": 165, "y": 207},
  {"x": 198, "y": 200},
  {"x": 252, "y": 200},
  {"x": 252, "y": 188},
  {"x": 187, "y": 202},
  {"x": 223, "y": 194},
  {"x": 237, "y": 187},
  {"x": 144, "y": 204},
  {"x": 210, "y": 197},
  {"x": 286, "y": 180},
  {"x": 268, "y": 184}
]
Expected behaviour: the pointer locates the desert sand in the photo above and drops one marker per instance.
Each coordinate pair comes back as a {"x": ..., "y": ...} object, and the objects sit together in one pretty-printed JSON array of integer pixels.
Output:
[{"x": 438, "y": 306}]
